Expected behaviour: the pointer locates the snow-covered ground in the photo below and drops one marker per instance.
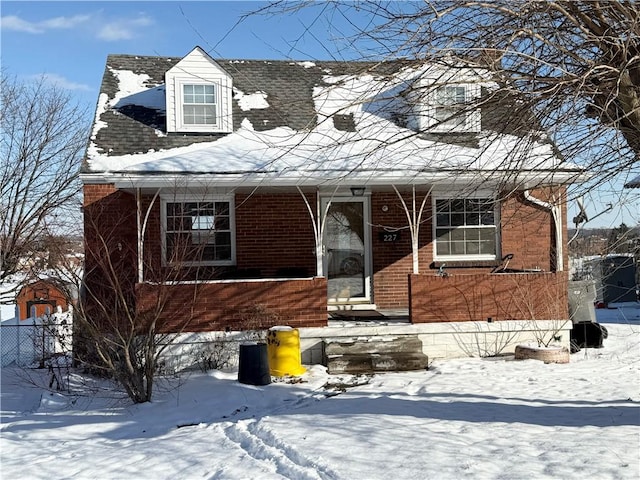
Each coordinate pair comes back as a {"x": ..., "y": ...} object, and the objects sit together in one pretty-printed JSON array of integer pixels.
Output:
[{"x": 467, "y": 418}]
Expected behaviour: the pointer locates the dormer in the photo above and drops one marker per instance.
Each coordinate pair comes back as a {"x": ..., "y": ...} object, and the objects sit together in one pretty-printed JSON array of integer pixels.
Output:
[
  {"x": 198, "y": 95},
  {"x": 446, "y": 104}
]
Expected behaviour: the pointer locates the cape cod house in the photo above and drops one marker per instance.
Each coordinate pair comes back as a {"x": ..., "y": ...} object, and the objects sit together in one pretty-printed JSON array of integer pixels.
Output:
[{"x": 310, "y": 188}]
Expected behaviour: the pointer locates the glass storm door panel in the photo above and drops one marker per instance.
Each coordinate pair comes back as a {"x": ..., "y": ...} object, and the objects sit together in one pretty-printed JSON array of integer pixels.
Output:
[{"x": 346, "y": 255}]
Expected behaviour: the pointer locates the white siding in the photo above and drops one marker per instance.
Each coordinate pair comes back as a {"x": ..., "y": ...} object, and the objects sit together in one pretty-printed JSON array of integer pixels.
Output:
[{"x": 198, "y": 67}]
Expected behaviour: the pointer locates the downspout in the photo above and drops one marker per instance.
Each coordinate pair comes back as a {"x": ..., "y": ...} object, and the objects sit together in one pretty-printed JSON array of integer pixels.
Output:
[{"x": 556, "y": 212}]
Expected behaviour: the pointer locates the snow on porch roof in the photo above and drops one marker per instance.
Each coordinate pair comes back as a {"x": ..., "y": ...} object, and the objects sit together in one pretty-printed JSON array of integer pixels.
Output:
[
  {"x": 325, "y": 124},
  {"x": 284, "y": 157}
]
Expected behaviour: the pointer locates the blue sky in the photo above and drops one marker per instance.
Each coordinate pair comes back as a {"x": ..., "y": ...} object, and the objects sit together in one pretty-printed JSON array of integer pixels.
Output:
[{"x": 69, "y": 43}]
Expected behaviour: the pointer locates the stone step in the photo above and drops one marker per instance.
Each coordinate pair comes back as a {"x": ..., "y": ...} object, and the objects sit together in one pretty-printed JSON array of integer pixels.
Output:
[
  {"x": 377, "y": 362},
  {"x": 406, "y": 344}
]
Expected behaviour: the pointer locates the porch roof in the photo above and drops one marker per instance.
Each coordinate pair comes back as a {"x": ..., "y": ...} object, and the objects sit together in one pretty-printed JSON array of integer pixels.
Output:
[{"x": 326, "y": 156}]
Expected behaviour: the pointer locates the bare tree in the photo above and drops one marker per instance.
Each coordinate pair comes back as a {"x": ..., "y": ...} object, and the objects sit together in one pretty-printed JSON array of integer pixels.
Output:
[
  {"x": 134, "y": 303},
  {"x": 574, "y": 63},
  {"x": 116, "y": 334},
  {"x": 42, "y": 140}
]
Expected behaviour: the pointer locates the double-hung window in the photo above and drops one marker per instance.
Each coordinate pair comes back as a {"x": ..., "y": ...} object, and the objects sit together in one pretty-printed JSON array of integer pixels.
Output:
[
  {"x": 448, "y": 113},
  {"x": 199, "y": 232},
  {"x": 465, "y": 229},
  {"x": 199, "y": 104},
  {"x": 452, "y": 108}
]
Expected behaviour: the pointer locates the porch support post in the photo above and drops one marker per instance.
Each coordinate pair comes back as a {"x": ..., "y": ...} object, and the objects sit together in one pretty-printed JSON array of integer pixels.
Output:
[
  {"x": 556, "y": 212},
  {"x": 318, "y": 231},
  {"x": 557, "y": 217},
  {"x": 318, "y": 222},
  {"x": 142, "y": 228},
  {"x": 140, "y": 236},
  {"x": 414, "y": 218}
]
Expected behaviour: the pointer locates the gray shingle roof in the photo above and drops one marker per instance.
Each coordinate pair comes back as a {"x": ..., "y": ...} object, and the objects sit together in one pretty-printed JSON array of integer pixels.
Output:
[{"x": 289, "y": 86}]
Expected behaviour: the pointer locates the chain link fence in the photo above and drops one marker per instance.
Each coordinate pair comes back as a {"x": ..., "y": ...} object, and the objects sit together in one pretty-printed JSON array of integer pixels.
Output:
[{"x": 33, "y": 341}]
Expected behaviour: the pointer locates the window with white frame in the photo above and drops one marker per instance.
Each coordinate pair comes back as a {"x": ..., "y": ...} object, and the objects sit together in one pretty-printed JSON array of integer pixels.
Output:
[
  {"x": 465, "y": 229},
  {"x": 199, "y": 232},
  {"x": 452, "y": 108},
  {"x": 199, "y": 104}
]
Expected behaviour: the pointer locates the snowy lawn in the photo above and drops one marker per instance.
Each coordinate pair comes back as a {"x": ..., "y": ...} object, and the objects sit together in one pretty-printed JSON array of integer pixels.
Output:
[{"x": 468, "y": 418}]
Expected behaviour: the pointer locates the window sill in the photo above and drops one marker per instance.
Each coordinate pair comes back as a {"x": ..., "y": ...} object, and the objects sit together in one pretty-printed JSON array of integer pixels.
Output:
[
  {"x": 200, "y": 129},
  {"x": 464, "y": 264}
]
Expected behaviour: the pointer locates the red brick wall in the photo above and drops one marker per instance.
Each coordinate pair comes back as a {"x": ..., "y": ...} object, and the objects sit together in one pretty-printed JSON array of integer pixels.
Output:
[
  {"x": 109, "y": 224},
  {"x": 274, "y": 231},
  {"x": 392, "y": 261},
  {"x": 528, "y": 232},
  {"x": 459, "y": 298},
  {"x": 110, "y": 235},
  {"x": 228, "y": 305}
]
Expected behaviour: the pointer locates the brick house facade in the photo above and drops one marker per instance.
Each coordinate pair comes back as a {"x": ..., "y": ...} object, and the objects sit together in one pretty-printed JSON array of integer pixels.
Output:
[{"x": 257, "y": 218}]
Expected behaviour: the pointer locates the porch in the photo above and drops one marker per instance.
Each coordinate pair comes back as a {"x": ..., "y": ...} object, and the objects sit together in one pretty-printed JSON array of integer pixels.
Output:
[{"x": 455, "y": 316}]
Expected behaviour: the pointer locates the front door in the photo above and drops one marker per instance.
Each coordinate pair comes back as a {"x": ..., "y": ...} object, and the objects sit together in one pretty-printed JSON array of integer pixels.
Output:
[{"x": 346, "y": 250}]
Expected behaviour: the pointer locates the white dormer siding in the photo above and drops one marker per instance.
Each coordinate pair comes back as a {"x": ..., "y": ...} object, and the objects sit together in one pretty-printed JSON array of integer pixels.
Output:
[
  {"x": 445, "y": 106},
  {"x": 199, "y": 95}
]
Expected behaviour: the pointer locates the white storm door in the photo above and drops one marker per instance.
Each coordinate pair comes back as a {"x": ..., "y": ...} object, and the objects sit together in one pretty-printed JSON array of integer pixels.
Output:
[{"x": 347, "y": 251}]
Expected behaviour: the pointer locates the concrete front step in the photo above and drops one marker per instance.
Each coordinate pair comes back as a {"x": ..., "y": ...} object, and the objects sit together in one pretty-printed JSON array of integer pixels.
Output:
[
  {"x": 374, "y": 362},
  {"x": 373, "y": 345},
  {"x": 368, "y": 355}
]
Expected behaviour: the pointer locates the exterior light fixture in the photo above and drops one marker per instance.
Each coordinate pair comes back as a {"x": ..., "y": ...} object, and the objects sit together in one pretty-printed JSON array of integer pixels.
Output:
[{"x": 357, "y": 191}]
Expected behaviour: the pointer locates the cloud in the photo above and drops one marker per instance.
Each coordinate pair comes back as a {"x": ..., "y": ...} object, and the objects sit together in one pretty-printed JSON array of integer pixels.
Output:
[
  {"x": 114, "y": 30},
  {"x": 17, "y": 24},
  {"x": 59, "y": 81},
  {"x": 123, "y": 29}
]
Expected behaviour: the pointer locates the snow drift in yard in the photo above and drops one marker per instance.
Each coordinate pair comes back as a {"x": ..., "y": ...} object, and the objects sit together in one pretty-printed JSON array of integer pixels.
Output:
[{"x": 467, "y": 418}]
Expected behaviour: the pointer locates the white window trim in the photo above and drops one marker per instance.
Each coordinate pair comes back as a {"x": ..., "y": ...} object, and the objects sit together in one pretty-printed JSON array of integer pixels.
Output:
[
  {"x": 179, "y": 83},
  {"x": 164, "y": 199},
  {"x": 473, "y": 117},
  {"x": 453, "y": 196},
  {"x": 215, "y": 103}
]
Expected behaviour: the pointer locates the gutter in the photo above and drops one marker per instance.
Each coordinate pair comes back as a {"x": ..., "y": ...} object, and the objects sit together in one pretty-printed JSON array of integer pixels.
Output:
[
  {"x": 370, "y": 178},
  {"x": 556, "y": 212}
]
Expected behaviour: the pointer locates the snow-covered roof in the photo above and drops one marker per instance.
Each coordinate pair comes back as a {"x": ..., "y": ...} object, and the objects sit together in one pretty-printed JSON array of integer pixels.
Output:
[{"x": 302, "y": 123}]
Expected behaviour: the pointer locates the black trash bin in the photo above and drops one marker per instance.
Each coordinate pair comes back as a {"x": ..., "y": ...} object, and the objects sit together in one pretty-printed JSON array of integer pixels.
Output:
[{"x": 253, "y": 364}]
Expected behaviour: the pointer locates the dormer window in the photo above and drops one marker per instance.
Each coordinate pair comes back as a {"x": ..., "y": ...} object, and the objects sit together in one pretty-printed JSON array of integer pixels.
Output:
[
  {"x": 446, "y": 108},
  {"x": 199, "y": 105},
  {"x": 449, "y": 104},
  {"x": 452, "y": 109},
  {"x": 198, "y": 96}
]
